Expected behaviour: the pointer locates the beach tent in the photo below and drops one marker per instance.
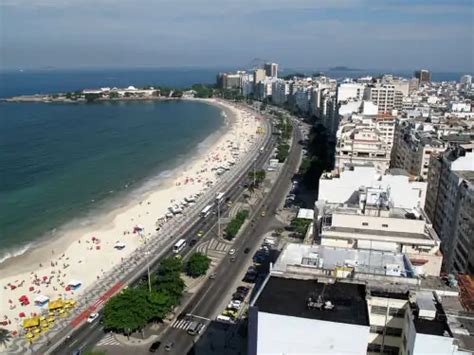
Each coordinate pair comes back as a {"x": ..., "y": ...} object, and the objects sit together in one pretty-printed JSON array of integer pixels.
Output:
[
  {"x": 31, "y": 322},
  {"x": 119, "y": 245},
  {"x": 41, "y": 300},
  {"x": 59, "y": 303},
  {"x": 74, "y": 284}
]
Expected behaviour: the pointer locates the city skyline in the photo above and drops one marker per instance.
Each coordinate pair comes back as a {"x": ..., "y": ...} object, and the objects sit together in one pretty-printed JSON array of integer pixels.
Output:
[{"x": 363, "y": 34}]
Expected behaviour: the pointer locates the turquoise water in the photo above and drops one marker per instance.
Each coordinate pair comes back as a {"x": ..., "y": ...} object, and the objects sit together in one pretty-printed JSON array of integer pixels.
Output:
[{"x": 60, "y": 162}]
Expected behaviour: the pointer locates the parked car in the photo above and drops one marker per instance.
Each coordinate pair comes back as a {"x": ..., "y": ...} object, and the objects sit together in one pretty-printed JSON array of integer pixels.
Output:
[
  {"x": 235, "y": 304},
  {"x": 243, "y": 289},
  {"x": 232, "y": 251},
  {"x": 192, "y": 242},
  {"x": 246, "y": 250},
  {"x": 238, "y": 297},
  {"x": 154, "y": 346}
]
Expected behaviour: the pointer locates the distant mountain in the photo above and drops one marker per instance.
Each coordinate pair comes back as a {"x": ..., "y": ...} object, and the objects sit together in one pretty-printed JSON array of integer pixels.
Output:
[{"x": 343, "y": 68}]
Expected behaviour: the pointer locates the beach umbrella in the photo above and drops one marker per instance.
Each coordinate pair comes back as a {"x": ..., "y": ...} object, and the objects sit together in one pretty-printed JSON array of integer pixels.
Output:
[
  {"x": 37, "y": 331},
  {"x": 45, "y": 278},
  {"x": 29, "y": 335},
  {"x": 21, "y": 314},
  {"x": 31, "y": 288},
  {"x": 42, "y": 318},
  {"x": 51, "y": 319}
]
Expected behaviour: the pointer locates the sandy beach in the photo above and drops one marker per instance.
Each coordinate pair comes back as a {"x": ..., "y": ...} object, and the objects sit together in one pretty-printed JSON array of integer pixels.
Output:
[{"x": 83, "y": 255}]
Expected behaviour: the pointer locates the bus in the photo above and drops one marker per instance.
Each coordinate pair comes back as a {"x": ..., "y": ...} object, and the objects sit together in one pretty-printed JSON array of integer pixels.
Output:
[
  {"x": 205, "y": 212},
  {"x": 179, "y": 246},
  {"x": 219, "y": 197}
]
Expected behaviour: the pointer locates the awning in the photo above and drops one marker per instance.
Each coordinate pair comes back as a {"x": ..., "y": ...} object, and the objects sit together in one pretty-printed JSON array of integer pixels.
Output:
[
  {"x": 31, "y": 322},
  {"x": 56, "y": 304}
]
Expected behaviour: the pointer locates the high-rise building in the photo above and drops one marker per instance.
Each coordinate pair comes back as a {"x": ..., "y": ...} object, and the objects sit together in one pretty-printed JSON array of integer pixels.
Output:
[
  {"x": 466, "y": 81},
  {"x": 423, "y": 75},
  {"x": 280, "y": 91},
  {"x": 258, "y": 77},
  {"x": 229, "y": 80},
  {"x": 385, "y": 96},
  {"x": 450, "y": 206},
  {"x": 271, "y": 69}
]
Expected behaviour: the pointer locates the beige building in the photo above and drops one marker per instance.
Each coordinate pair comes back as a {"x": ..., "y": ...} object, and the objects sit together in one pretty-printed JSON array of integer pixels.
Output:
[
  {"x": 385, "y": 96},
  {"x": 365, "y": 141},
  {"x": 413, "y": 147}
]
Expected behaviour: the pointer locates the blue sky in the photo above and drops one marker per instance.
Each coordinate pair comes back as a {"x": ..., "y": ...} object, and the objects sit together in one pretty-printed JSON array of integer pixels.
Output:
[{"x": 372, "y": 34}]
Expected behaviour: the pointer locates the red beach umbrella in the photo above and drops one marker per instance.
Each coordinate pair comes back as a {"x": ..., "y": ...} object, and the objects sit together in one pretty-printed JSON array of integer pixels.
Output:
[
  {"x": 31, "y": 288},
  {"x": 45, "y": 278},
  {"x": 21, "y": 314}
]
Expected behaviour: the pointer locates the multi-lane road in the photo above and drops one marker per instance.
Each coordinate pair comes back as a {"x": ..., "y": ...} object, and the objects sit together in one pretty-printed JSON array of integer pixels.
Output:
[
  {"x": 87, "y": 335},
  {"x": 206, "y": 302}
]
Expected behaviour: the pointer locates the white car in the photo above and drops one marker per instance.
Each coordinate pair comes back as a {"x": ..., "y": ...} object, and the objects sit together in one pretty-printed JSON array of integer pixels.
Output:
[
  {"x": 235, "y": 304},
  {"x": 231, "y": 251},
  {"x": 92, "y": 317}
]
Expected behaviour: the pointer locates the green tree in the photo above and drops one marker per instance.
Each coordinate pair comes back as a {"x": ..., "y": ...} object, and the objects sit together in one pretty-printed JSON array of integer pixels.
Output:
[
  {"x": 5, "y": 337},
  {"x": 300, "y": 225},
  {"x": 160, "y": 304},
  {"x": 197, "y": 265},
  {"x": 114, "y": 95},
  {"x": 92, "y": 97},
  {"x": 233, "y": 227},
  {"x": 177, "y": 93},
  {"x": 170, "y": 265},
  {"x": 127, "y": 311},
  {"x": 259, "y": 177}
]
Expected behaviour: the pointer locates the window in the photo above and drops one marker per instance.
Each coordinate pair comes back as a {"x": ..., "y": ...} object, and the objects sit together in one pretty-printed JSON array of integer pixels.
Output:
[
  {"x": 404, "y": 341},
  {"x": 385, "y": 225},
  {"x": 397, "y": 312},
  {"x": 365, "y": 223},
  {"x": 394, "y": 332},
  {"x": 379, "y": 310}
]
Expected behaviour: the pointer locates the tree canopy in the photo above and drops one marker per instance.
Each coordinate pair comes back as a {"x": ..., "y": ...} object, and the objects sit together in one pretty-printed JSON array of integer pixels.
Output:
[
  {"x": 234, "y": 226},
  {"x": 5, "y": 337},
  {"x": 197, "y": 265}
]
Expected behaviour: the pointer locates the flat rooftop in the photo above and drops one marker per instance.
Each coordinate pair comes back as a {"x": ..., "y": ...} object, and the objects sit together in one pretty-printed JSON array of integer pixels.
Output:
[
  {"x": 328, "y": 258},
  {"x": 377, "y": 232},
  {"x": 289, "y": 296}
]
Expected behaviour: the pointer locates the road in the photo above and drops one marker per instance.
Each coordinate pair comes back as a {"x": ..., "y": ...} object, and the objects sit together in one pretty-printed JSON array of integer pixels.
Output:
[
  {"x": 87, "y": 335},
  {"x": 206, "y": 301}
]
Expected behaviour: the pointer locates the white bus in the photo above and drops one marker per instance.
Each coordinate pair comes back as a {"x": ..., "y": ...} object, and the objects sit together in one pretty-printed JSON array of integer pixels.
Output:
[
  {"x": 219, "y": 197},
  {"x": 179, "y": 246},
  {"x": 205, "y": 212}
]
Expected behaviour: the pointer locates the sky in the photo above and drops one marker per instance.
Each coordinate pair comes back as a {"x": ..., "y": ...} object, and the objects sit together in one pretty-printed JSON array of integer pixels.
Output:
[{"x": 366, "y": 34}]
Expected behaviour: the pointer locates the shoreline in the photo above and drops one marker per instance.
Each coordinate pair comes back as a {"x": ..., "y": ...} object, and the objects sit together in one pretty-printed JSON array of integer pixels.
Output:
[
  {"x": 109, "y": 208},
  {"x": 147, "y": 201}
]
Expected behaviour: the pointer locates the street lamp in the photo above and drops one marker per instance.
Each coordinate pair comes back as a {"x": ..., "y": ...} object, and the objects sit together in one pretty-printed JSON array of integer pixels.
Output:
[{"x": 147, "y": 264}]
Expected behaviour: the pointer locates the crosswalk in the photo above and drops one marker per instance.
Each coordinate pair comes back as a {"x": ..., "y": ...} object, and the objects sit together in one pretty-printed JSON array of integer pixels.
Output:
[
  {"x": 181, "y": 323},
  {"x": 218, "y": 246},
  {"x": 108, "y": 339}
]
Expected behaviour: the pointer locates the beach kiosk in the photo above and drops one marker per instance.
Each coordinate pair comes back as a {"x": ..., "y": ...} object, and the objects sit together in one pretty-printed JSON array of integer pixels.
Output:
[
  {"x": 74, "y": 284},
  {"x": 41, "y": 300}
]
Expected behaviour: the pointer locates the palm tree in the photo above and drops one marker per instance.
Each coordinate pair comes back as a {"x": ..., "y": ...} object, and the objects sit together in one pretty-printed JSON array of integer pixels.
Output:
[{"x": 5, "y": 337}]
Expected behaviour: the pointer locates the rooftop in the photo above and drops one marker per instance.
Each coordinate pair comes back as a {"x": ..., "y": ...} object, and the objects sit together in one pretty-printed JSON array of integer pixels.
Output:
[
  {"x": 329, "y": 258},
  {"x": 289, "y": 297}
]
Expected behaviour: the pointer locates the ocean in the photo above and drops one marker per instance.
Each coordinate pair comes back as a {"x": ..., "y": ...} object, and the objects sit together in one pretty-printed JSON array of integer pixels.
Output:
[{"x": 65, "y": 163}]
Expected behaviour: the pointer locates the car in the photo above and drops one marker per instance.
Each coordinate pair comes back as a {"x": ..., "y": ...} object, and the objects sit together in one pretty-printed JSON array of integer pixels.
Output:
[
  {"x": 232, "y": 251},
  {"x": 169, "y": 346},
  {"x": 263, "y": 214},
  {"x": 154, "y": 346},
  {"x": 238, "y": 297},
  {"x": 192, "y": 242},
  {"x": 246, "y": 250},
  {"x": 229, "y": 203},
  {"x": 233, "y": 258},
  {"x": 252, "y": 270},
  {"x": 234, "y": 304},
  {"x": 212, "y": 276},
  {"x": 243, "y": 289},
  {"x": 92, "y": 317},
  {"x": 229, "y": 313},
  {"x": 200, "y": 234},
  {"x": 178, "y": 257}
]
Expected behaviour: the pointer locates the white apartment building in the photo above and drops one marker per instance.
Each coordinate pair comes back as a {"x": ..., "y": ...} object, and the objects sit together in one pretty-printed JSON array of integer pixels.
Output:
[
  {"x": 326, "y": 300},
  {"x": 385, "y": 96},
  {"x": 359, "y": 143},
  {"x": 347, "y": 91},
  {"x": 369, "y": 221}
]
